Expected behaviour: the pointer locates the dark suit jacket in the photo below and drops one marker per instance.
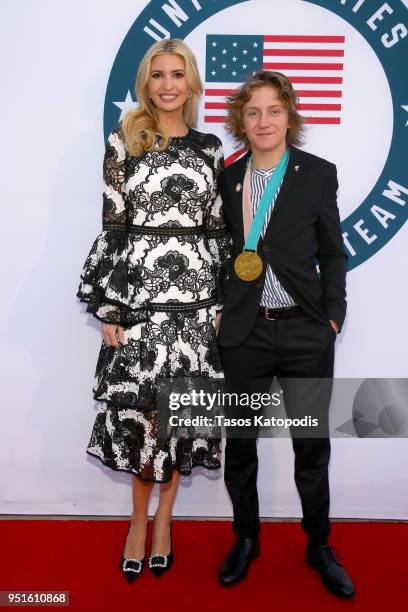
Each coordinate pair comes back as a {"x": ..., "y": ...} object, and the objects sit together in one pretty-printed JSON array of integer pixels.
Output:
[{"x": 304, "y": 227}]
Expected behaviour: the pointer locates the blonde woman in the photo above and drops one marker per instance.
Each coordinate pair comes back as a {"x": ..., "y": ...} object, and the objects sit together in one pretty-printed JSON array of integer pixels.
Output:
[{"x": 155, "y": 277}]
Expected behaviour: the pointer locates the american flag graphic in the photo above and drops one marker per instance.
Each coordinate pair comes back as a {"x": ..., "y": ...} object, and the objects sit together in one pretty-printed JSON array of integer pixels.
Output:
[{"x": 313, "y": 64}]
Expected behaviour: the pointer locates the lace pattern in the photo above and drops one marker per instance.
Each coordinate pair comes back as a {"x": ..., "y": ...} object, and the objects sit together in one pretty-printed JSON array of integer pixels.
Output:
[{"x": 159, "y": 269}]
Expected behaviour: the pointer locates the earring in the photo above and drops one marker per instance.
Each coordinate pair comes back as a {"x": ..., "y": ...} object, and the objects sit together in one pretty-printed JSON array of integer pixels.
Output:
[{"x": 190, "y": 95}]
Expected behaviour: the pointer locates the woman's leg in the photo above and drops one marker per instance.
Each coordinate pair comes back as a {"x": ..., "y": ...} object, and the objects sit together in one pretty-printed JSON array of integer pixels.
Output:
[
  {"x": 135, "y": 543},
  {"x": 163, "y": 516}
]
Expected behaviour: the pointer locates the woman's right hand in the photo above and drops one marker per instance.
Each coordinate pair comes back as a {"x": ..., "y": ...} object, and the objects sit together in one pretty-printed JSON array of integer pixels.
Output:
[{"x": 113, "y": 334}]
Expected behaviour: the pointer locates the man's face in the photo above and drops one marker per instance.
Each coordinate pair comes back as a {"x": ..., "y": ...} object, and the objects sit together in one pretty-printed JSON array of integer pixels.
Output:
[{"x": 265, "y": 120}]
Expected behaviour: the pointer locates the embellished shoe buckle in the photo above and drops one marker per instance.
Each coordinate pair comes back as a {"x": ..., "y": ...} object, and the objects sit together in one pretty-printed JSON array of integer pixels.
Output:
[
  {"x": 132, "y": 569},
  {"x": 153, "y": 564}
]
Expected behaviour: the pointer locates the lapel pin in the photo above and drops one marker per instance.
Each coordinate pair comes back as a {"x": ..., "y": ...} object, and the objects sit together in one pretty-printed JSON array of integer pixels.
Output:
[
  {"x": 296, "y": 168},
  {"x": 238, "y": 187}
]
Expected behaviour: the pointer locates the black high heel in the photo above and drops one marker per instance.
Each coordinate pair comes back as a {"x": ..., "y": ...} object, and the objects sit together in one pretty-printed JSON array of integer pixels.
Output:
[
  {"x": 131, "y": 568},
  {"x": 159, "y": 564}
]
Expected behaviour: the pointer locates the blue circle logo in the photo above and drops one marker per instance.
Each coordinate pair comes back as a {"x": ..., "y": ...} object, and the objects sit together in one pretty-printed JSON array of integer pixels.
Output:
[{"x": 375, "y": 220}]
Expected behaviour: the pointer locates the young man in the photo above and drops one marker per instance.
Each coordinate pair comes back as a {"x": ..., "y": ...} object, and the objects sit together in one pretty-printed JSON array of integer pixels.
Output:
[{"x": 280, "y": 316}]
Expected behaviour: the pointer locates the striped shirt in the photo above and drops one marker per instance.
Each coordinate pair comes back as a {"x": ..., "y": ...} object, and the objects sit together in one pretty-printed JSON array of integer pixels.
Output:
[{"x": 274, "y": 295}]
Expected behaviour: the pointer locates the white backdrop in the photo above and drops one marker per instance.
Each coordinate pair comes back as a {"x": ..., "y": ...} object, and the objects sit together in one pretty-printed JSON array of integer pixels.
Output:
[{"x": 56, "y": 59}]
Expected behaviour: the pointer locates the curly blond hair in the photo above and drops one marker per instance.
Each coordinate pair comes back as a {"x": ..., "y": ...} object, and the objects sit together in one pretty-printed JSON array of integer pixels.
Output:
[{"x": 234, "y": 122}]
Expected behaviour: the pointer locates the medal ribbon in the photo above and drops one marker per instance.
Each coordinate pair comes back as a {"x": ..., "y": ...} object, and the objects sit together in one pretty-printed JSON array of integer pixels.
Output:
[{"x": 268, "y": 196}]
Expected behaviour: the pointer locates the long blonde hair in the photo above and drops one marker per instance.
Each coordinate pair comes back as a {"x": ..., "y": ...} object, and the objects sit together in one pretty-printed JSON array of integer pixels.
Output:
[{"x": 141, "y": 127}]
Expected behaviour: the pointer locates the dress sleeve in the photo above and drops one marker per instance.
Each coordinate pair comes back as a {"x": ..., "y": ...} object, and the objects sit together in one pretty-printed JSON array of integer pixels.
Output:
[
  {"x": 104, "y": 285},
  {"x": 218, "y": 237}
]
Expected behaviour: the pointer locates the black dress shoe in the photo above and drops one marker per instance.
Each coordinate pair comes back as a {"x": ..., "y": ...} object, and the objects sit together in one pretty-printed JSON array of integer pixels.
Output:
[
  {"x": 131, "y": 568},
  {"x": 159, "y": 564},
  {"x": 334, "y": 577},
  {"x": 235, "y": 565}
]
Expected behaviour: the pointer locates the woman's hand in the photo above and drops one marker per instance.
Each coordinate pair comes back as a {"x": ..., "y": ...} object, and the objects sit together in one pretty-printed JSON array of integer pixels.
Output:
[{"x": 113, "y": 334}]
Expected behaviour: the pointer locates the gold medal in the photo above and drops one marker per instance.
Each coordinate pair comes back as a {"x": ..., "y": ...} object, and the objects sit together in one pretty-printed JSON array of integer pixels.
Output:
[{"x": 248, "y": 266}]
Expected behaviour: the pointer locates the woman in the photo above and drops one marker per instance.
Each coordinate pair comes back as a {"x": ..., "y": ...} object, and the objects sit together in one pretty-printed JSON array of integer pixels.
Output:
[{"x": 155, "y": 278}]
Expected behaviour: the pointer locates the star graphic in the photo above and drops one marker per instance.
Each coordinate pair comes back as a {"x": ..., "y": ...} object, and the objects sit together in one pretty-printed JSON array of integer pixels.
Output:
[
  {"x": 214, "y": 44},
  {"x": 213, "y": 73},
  {"x": 254, "y": 59},
  {"x": 234, "y": 59},
  {"x": 214, "y": 59},
  {"x": 224, "y": 66},
  {"x": 244, "y": 66},
  {"x": 126, "y": 105},
  {"x": 245, "y": 52},
  {"x": 405, "y": 109},
  {"x": 234, "y": 44},
  {"x": 224, "y": 51},
  {"x": 234, "y": 73},
  {"x": 255, "y": 44}
]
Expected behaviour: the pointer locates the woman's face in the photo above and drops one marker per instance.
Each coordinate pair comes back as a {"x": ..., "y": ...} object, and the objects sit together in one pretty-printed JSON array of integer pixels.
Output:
[{"x": 167, "y": 85}]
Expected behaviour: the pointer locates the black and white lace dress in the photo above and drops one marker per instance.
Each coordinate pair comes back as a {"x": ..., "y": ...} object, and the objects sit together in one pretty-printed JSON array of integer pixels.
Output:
[{"x": 159, "y": 269}]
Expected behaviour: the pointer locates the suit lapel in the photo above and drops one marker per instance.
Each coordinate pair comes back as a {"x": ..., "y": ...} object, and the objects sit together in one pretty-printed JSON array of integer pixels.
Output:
[
  {"x": 292, "y": 175},
  {"x": 237, "y": 186}
]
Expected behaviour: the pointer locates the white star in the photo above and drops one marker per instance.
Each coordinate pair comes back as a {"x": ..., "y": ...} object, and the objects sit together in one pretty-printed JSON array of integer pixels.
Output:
[
  {"x": 254, "y": 59},
  {"x": 214, "y": 44},
  {"x": 234, "y": 73},
  {"x": 405, "y": 109},
  {"x": 255, "y": 44},
  {"x": 224, "y": 66},
  {"x": 245, "y": 52},
  {"x": 234, "y": 59},
  {"x": 126, "y": 105},
  {"x": 214, "y": 59},
  {"x": 234, "y": 44},
  {"x": 244, "y": 66},
  {"x": 213, "y": 73},
  {"x": 224, "y": 51}
]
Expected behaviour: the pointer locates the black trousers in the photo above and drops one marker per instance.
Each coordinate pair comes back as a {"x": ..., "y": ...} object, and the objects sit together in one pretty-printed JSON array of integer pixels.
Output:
[{"x": 300, "y": 348}]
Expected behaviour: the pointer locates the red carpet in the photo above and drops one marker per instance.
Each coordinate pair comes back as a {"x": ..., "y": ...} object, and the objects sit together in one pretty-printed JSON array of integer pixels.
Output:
[{"x": 82, "y": 557}]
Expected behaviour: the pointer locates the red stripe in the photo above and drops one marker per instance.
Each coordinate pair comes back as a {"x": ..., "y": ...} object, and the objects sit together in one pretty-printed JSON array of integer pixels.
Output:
[
  {"x": 318, "y": 93},
  {"x": 315, "y": 107},
  {"x": 323, "y": 120},
  {"x": 317, "y": 39},
  {"x": 305, "y": 52},
  {"x": 231, "y": 158},
  {"x": 301, "y": 93},
  {"x": 219, "y": 92},
  {"x": 293, "y": 79},
  {"x": 214, "y": 105},
  {"x": 213, "y": 119},
  {"x": 328, "y": 107},
  {"x": 296, "y": 66},
  {"x": 316, "y": 120},
  {"x": 310, "y": 79}
]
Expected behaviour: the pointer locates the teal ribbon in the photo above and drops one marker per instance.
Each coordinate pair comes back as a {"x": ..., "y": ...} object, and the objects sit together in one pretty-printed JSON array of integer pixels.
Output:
[{"x": 266, "y": 200}]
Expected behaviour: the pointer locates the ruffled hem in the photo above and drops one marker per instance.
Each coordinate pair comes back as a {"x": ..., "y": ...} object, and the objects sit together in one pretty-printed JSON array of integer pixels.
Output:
[
  {"x": 212, "y": 467},
  {"x": 149, "y": 395},
  {"x": 127, "y": 440},
  {"x": 108, "y": 310},
  {"x": 168, "y": 348},
  {"x": 106, "y": 287},
  {"x": 114, "y": 293}
]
